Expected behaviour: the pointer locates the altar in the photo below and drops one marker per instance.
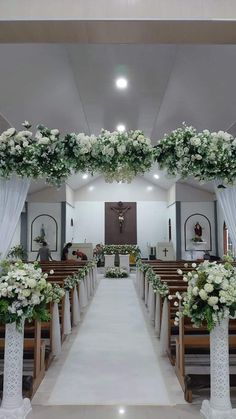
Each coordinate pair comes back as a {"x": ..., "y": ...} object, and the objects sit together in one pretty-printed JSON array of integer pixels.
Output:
[{"x": 165, "y": 251}]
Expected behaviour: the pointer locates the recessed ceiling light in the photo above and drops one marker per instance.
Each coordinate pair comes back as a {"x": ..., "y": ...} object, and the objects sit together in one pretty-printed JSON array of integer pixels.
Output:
[
  {"x": 120, "y": 128},
  {"x": 156, "y": 176},
  {"x": 149, "y": 188},
  {"x": 121, "y": 411},
  {"x": 91, "y": 188},
  {"x": 121, "y": 83},
  {"x": 85, "y": 176}
]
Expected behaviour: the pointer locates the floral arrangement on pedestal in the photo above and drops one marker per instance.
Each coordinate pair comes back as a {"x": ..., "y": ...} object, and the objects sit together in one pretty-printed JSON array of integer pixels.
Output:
[
  {"x": 24, "y": 293},
  {"x": 116, "y": 273},
  {"x": 206, "y": 156},
  {"x": 211, "y": 293}
]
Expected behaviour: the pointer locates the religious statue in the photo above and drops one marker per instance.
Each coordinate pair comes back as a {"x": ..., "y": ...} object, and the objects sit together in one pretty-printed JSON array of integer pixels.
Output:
[
  {"x": 198, "y": 230},
  {"x": 120, "y": 210},
  {"x": 42, "y": 232}
]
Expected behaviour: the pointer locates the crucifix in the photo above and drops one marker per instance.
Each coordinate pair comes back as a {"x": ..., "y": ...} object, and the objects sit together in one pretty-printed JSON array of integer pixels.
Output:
[
  {"x": 165, "y": 251},
  {"x": 120, "y": 211}
]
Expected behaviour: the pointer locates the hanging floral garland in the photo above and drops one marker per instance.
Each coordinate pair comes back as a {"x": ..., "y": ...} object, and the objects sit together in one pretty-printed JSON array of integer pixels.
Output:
[
  {"x": 206, "y": 156},
  {"x": 118, "y": 156}
]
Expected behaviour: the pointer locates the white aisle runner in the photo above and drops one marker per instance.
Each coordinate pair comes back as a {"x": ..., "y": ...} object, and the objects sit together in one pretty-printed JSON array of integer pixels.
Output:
[{"x": 112, "y": 360}]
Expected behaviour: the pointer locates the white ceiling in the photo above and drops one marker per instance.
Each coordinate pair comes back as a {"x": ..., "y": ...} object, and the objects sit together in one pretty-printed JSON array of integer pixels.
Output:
[{"x": 72, "y": 87}]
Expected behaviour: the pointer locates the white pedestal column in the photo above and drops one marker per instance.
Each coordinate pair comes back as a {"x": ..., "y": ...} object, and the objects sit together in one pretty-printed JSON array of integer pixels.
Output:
[
  {"x": 13, "y": 405},
  {"x": 219, "y": 406}
]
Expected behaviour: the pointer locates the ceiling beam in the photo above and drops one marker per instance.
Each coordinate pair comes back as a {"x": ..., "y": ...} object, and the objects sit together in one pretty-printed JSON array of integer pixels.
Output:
[{"x": 119, "y": 31}]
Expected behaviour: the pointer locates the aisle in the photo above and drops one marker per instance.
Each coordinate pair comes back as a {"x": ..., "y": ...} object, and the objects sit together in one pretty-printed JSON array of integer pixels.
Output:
[{"x": 112, "y": 359}]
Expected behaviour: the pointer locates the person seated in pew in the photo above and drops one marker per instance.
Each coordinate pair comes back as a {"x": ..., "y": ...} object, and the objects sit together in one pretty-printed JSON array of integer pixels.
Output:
[
  {"x": 44, "y": 253},
  {"x": 65, "y": 251},
  {"x": 80, "y": 255}
]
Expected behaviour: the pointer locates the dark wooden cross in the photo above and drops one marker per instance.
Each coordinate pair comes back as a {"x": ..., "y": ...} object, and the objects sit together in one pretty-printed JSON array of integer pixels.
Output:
[{"x": 165, "y": 251}]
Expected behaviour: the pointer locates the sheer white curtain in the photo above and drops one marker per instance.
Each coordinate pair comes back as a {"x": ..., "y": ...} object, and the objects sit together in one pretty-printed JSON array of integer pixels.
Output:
[
  {"x": 13, "y": 194},
  {"x": 227, "y": 201}
]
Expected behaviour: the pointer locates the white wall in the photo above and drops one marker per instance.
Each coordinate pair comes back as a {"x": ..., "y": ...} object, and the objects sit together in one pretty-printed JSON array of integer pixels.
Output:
[
  {"x": 38, "y": 208},
  {"x": 89, "y": 222},
  {"x": 151, "y": 224},
  {"x": 139, "y": 190},
  {"x": 190, "y": 208}
]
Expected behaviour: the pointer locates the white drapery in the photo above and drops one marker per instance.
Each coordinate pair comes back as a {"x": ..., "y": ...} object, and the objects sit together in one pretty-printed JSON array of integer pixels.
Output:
[
  {"x": 13, "y": 194},
  {"x": 227, "y": 201}
]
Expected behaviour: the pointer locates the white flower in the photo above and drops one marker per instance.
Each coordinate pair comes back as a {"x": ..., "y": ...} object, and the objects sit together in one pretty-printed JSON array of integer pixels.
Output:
[
  {"x": 212, "y": 301},
  {"x": 51, "y": 272},
  {"x": 43, "y": 140},
  {"x": 195, "y": 291},
  {"x": 54, "y": 132},
  {"x": 208, "y": 288},
  {"x": 9, "y": 132},
  {"x": 194, "y": 265},
  {"x": 203, "y": 295},
  {"x": 121, "y": 149},
  {"x": 179, "y": 272}
]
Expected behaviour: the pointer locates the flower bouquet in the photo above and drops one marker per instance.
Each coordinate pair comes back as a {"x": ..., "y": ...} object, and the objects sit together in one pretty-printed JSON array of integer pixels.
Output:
[{"x": 116, "y": 273}]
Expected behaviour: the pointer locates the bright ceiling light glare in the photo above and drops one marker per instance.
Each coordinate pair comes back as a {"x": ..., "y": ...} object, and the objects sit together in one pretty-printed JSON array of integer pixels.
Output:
[
  {"x": 156, "y": 176},
  {"x": 121, "y": 83},
  {"x": 85, "y": 176},
  {"x": 91, "y": 188},
  {"x": 120, "y": 128},
  {"x": 121, "y": 411},
  {"x": 149, "y": 188}
]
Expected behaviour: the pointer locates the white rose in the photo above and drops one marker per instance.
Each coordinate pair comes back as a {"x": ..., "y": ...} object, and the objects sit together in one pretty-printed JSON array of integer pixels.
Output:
[
  {"x": 121, "y": 149},
  {"x": 179, "y": 272},
  {"x": 195, "y": 291},
  {"x": 203, "y": 295},
  {"x": 218, "y": 279},
  {"x": 51, "y": 272},
  {"x": 198, "y": 157},
  {"x": 212, "y": 301},
  {"x": 54, "y": 131},
  {"x": 25, "y": 144},
  {"x": 43, "y": 140},
  {"x": 10, "y": 132},
  {"x": 208, "y": 288},
  {"x": 31, "y": 282},
  {"x": 194, "y": 265}
]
